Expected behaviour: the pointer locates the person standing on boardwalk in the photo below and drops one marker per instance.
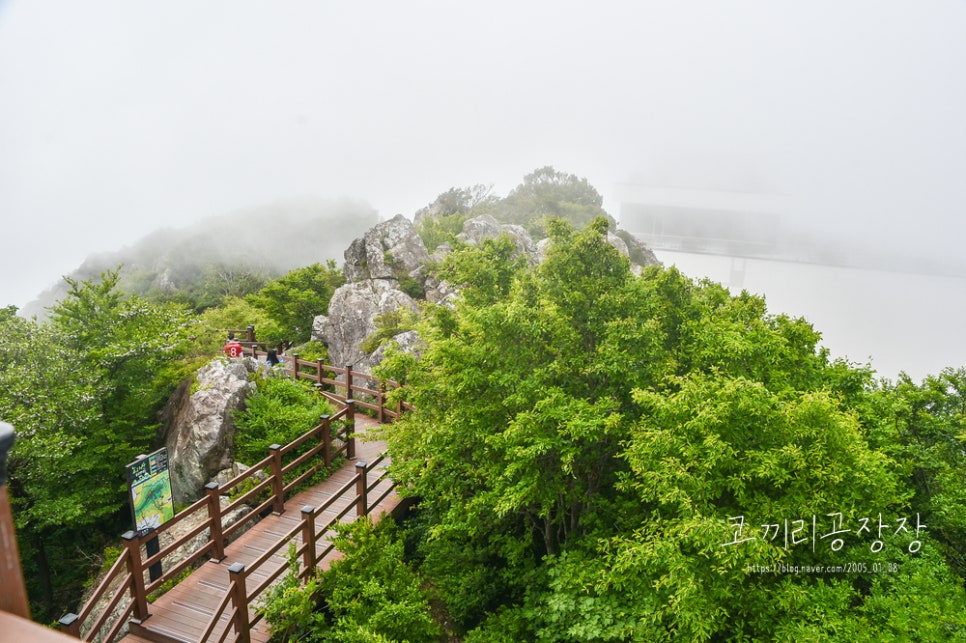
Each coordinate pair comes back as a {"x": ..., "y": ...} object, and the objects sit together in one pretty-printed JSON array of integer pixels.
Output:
[{"x": 232, "y": 347}]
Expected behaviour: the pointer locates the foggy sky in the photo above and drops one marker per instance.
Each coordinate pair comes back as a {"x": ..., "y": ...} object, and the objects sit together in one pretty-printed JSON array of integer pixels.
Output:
[{"x": 118, "y": 117}]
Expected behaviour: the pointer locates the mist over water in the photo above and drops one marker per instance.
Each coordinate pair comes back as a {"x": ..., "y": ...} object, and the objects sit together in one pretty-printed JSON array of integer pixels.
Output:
[{"x": 894, "y": 321}]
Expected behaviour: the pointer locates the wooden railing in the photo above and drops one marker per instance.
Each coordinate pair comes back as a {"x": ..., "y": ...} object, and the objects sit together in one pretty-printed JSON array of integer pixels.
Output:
[
  {"x": 336, "y": 383},
  {"x": 339, "y": 384},
  {"x": 239, "y": 596},
  {"x": 125, "y": 585}
]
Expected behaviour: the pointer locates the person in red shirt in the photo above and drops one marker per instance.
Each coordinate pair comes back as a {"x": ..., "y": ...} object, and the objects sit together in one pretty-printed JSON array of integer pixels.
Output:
[{"x": 232, "y": 347}]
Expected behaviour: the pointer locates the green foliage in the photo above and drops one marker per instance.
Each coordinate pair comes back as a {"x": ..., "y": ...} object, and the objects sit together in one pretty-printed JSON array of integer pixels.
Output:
[
  {"x": 485, "y": 272},
  {"x": 83, "y": 392},
  {"x": 291, "y": 607},
  {"x": 412, "y": 287},
  {"x": 233, "y": 313},
  {"x": 388, "y": 325},
  {"x": 585, "y": 442},
  {"x": 280, "y": 410},
  {"x": 198, "y": 286},
  {"x": 443, "y": 219},
  {"x": 313, "y": 351},
  {"x": 923, "y": 427},
  {"x": 435, "y": 231},
  {"x": 548, "y": 194},
  {"x": 293, "y": 301},
  {"x": 369, "y": 595}
]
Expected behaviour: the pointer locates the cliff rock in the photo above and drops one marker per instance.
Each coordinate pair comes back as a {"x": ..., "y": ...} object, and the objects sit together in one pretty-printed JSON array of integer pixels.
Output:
[
  {"x": 352, "y": 313},
  {"x": 480, "y": 228},
  {"x": 389, "y": 250},
  {"x": 199, "y": 427}
]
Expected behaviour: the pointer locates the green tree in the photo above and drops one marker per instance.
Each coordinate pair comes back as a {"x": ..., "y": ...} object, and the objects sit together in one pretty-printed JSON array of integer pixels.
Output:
[
  {"x": 293, "y": 301},
  {"x": 585, "y": 442},
  {"x": 923, "y": 427},
  {"x": 369, "y": 595},
  {"x": 83, "y": 392},
  {"x": 442, "y": 220},
  {"x": 547, "y": 193}
]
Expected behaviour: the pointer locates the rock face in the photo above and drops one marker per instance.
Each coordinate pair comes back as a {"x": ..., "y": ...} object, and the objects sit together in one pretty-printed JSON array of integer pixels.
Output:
[
  {"x": 374, "y": 265},
  {"x": 389, "y": 250},
  {"x": 408, "y": 342},
  {"x": 392, "y": 253},
  {"x": 199, "y": 427},
  {"x": 478, "y": 229},
  {"x": 352, "y": 313}
]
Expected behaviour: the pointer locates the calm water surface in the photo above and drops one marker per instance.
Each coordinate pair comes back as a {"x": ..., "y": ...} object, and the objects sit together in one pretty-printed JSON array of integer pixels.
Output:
[{"x": 892, "y": 320}]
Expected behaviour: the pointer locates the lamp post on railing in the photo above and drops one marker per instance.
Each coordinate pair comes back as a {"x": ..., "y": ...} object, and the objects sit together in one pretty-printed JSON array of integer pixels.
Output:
[{"x": 13, "y": 597}]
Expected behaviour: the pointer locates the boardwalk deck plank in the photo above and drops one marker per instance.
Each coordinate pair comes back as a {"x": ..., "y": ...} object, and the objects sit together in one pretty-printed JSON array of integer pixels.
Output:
[{"x": 184, "y": 611}]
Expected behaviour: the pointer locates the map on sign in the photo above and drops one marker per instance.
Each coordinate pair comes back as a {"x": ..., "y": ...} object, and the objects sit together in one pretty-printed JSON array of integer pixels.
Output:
[{"x": 150, "y": 486}]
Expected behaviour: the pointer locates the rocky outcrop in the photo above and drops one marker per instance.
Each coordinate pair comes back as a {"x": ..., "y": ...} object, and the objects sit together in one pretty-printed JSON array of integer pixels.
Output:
[
  {"x": 479, "y": 229},
  {"x": 200, "y": 432},
  {"x": 352, "y": 313},
  {"x": 392, "y": 254},
  {"x": 389, "y": 250},
  {"x": 407, "y": 341}
]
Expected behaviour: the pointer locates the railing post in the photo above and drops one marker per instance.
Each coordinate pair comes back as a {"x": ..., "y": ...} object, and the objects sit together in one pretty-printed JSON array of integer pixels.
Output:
[
  {"x": 350, "y": 423},
  {"x": 382, "y": 402},
  {"x": 319, "y": 372},
  {"x": 326, "y": 440},
  {"x": 348, "y": 382},
  {"x": 70, "y": 624},
  {"x": 239, "y": 598},
  {"x": 277, "y": 483},
  {"x": 251, "y": 332},
  {"x": 136, "y": 567},
  {"x": 308, "y": 539},
  {"x": 295, "y": 366},
  {"x": 214, "y": 519},
  {"x": 361, "y": 484}
]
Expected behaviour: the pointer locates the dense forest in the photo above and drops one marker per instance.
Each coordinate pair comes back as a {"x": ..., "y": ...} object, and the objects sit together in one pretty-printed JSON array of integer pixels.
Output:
[{"x": 596, "y": 454}]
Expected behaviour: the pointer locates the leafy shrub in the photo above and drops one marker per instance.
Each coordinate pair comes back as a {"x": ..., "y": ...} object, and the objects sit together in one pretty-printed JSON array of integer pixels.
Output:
[
  {"x": 369, "y": 596},
  {"x": 388, "y": 325},
  {"x": 291, "y": 608},
  {"x": 280, "y": 410},
  {"x": 371, "y": 593},
  {"x": 313, "y": 351}
]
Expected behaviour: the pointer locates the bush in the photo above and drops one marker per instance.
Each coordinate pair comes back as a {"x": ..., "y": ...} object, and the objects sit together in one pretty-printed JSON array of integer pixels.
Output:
[
  {"x": 371, "y": 593},
  {"x": 369, "y": 596},
  {"x": 280, "y": 411}
]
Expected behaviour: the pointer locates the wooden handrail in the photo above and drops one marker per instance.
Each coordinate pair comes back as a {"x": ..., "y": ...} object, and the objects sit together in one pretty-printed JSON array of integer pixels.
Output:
[
  {"x": 126, "y": 576},
  {"x": 359, "y": 485}
]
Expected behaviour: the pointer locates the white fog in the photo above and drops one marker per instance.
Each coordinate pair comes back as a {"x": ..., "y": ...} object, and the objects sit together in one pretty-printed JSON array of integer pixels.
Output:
[{"x": 118, "y": 118}]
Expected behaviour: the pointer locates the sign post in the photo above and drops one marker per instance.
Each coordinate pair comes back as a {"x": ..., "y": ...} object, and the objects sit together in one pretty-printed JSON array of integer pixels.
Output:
[{"x": 151, "y": 502}]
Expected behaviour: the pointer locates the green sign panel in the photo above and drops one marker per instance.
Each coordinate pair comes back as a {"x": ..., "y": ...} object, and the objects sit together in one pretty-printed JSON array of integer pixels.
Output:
[{"x": 150, "y": 491}]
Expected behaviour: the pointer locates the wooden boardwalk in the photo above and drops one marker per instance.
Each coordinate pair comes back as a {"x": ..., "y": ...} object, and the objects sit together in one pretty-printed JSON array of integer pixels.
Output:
[{"x": 182, "y": 614}]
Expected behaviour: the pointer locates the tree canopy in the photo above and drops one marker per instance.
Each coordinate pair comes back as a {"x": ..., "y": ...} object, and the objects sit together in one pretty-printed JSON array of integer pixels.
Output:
[
  {"x": 604, "y": 457},
  {"x": 83, "y": 391}
]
